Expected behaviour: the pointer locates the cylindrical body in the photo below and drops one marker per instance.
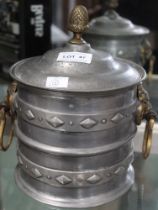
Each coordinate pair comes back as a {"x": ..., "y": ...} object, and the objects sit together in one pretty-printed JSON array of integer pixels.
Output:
[{"x": 75, "y": 146}]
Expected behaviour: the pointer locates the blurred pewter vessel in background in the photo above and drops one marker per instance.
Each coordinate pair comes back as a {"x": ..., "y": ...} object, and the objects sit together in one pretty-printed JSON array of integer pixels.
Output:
[
  {"x": 120, "y": 37},
  {"x": 76, "y": 112}
]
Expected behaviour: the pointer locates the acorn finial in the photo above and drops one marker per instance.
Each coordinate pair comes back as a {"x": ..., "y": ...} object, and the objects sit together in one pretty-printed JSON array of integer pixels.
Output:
[
  {"x": 111, "y": 4},
  {"x": 78, "y": 23}
]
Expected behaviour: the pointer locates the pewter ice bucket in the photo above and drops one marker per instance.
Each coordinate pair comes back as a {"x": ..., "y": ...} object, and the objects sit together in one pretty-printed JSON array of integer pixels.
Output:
[{"x": 76, "y": 112}]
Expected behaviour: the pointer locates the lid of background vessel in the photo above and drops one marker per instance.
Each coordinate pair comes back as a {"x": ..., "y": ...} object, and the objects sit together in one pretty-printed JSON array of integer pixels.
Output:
[{"x": 112, "y": 24}]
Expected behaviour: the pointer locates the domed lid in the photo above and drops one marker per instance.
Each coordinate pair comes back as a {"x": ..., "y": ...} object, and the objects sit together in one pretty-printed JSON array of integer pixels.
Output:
[
  {"x": 77, "y": 67},
  {"x": 112, "y": 24}
]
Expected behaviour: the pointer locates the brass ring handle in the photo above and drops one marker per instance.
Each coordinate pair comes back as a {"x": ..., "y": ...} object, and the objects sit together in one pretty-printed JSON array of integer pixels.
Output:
[
  {"x": 6, "y": 111},
  {"x": 147, "y": 143},
  {"x": 4, "y": 146},
  {"x": 148, "y": 134},
  {"x": 144, "y": 111}
]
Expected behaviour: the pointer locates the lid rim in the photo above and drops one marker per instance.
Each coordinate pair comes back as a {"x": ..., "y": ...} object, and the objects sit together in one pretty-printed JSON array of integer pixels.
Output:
[
  {"x": 75, "y": 91},
  {"x": 142, "y": 75}
]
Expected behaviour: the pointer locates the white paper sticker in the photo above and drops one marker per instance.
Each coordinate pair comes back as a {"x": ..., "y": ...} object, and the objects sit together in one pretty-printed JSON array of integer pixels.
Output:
[
  {"x": 57, "y": 82},
  {"x": 75, "y": 57}
]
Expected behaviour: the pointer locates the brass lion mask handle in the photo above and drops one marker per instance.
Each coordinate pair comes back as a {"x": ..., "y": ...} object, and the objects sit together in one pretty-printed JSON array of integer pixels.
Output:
[
  {"x": 147, "y": 57},
  {"x": 144, "y": 111},
  {"x": 5, "y": 113}
]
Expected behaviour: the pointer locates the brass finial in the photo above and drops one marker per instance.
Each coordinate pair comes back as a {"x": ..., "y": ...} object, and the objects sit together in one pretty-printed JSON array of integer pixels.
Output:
[
  {"x": 78, "y": 23},
  {"x": 111, "y": 4}
]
